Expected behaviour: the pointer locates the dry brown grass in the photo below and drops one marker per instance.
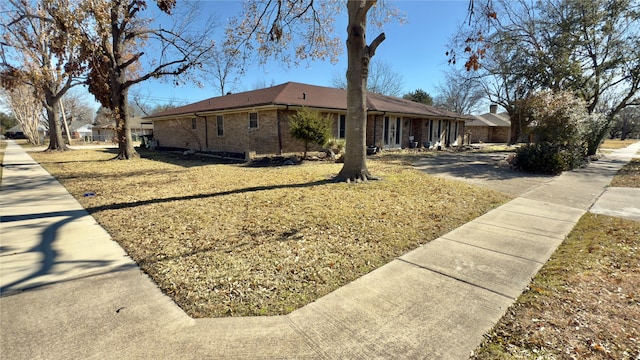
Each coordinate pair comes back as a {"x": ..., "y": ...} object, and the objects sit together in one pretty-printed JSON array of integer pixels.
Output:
[
  {"x": 583, "y": 304},
  {"x": 228, "y": 240},
  {"x": 617, "y": 143},
  {"x": 629, "y": 175}
]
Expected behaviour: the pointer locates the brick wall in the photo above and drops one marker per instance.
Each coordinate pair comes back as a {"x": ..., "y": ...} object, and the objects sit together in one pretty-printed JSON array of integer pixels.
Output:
[
  {"x": 478, "y": 133},
  {"x": 500, "y": 134},
  {"x": 178, "y": 133},
  {"x": 236, "y": 135}
]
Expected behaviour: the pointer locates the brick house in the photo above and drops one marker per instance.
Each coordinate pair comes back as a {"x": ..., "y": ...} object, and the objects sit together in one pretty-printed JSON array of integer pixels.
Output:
[
  {"x": 257, "y": 121},
  {"x": 492, "y": 127}
]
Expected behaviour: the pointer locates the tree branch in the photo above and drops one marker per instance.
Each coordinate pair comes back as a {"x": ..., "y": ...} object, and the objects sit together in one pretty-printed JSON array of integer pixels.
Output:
[{"x": 371, "y": 49}]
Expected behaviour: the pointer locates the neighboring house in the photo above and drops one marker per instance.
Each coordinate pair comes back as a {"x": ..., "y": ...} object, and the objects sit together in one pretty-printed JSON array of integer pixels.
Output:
[
  {"x": 16, "y": 132},
  {"x": 258, "y": 121},
  {"x": 83, "y": 132},
  {"x": 107, "y": 132},
  {"x": 490, "y": 127}
]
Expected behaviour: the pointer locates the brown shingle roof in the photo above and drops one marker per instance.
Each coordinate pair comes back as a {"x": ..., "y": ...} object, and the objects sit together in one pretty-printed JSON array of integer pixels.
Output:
[
  {"x": 297, "y": 94},
  {"x": 491, "y": 120}
]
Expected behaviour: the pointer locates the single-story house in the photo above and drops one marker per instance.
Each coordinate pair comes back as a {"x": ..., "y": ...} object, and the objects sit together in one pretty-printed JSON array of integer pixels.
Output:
[
  {"x": 107, "y": 132},
  {"x": 492, "y": 127},
  {"x": 82, "y": 132},
  {"x": 257, "y": 121},
  {"x": 16, "y": 132}
]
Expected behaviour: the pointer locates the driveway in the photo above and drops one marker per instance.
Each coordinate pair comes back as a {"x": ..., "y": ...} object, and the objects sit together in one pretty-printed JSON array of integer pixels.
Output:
[{"x": 489, "y": 170}]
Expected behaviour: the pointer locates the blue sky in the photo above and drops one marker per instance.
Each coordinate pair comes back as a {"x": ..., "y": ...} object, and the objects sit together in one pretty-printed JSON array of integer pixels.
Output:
[{"x": 415, "y": 49}]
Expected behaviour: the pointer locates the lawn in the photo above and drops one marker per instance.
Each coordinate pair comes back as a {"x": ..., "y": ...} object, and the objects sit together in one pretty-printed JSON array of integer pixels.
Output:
[
  {"x": 585, "y": 302},
  {"x": 232, "y": 240},
  {"x": 617, "y": 143},
  {"x": 629, "y": 175}
]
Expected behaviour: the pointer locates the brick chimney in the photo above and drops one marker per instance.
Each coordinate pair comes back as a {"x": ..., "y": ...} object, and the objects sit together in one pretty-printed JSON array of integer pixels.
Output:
[{"x": 493, "y": 109}]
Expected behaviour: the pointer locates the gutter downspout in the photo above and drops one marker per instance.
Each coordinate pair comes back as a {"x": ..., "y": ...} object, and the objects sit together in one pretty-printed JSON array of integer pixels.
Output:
[{"x": 280, "y": 132}]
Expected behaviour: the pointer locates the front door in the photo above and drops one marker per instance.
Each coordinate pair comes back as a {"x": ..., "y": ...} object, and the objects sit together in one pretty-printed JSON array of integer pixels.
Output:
[{"x": 392, "y": 132}]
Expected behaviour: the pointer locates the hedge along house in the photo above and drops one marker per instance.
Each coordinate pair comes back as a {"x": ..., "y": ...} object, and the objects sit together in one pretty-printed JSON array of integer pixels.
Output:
[{"x": 258, "y": 121}]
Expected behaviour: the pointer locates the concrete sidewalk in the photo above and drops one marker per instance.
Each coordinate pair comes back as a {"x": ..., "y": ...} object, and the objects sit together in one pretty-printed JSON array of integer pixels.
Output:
[{"x": 69, "y": 291}]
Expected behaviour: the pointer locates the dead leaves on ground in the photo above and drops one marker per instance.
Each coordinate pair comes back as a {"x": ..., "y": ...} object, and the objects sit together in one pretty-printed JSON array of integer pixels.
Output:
[
  {"x": 228, "y": 240},
  {"x": 584, "y": 303}
]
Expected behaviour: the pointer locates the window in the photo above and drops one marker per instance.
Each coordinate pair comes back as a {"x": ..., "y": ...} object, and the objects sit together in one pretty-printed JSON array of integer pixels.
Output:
[
  {"x": 253, "y": 120},
  {"x": 194, "y": 124},
  {"x": 220, "y": 125},
  {"x": 342, "y": 124}
]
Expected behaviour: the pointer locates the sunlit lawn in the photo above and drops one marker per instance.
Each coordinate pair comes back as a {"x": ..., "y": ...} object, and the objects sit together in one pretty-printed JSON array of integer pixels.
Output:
[{"x": 230, "y": 240}]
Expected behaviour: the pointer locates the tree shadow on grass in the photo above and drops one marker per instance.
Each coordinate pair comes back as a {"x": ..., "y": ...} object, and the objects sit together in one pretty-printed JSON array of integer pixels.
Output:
[
  {"x": 134, "y": 204},
  {"x": 178, "y": 158}
]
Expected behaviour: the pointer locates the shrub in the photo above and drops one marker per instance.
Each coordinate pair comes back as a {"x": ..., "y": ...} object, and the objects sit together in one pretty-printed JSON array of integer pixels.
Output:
[
  {"x": 310, "y": 127},
  {"x": 336, "y": 145},
  {"x": 547, "y": 158},
  {"x": 559, "y": 129},
  {"x": 594, "y": 130}
]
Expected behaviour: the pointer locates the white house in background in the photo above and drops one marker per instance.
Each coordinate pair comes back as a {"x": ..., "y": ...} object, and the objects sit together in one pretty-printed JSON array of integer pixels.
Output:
[
  {"x": 107, "y": 132},
  {"x": 83, "y": 132}
]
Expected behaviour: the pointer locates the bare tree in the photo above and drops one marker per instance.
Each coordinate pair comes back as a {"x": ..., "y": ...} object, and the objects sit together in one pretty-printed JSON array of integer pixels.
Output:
[
  {"x": 27, "y": 109},
  {"x": 146, "y": 105},
  {"x": 117, "y": 42},
  {"x": 459, "y": 92},
  {"x": 77, "y": 108},
  {"x": 590, "y": 47},
  {"x": 224, "y": 66},
  {"x": 382, "y": 79},
  {"x": 626, "y": 123},
  {"x": 103, "y": 116},
  {"x": 39, "y": 49}
]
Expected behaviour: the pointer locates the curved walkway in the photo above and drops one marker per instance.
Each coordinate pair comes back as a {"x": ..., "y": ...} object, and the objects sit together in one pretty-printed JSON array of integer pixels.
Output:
[{"x": 69, "y": 291}]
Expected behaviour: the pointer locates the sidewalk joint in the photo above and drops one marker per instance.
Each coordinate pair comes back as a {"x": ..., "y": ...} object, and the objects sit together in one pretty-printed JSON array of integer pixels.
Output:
[{"x": 456, "y": 278}]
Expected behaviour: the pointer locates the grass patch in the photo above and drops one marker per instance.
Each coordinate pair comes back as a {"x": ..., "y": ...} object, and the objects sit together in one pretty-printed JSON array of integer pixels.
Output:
[
  {"x": 584, "y": 303},
  {"x": 230, "y": 240},
  {"x": 497, "y": 148},
  {"x": 628, "y": 176},
  {"x": 617, "y": 143}
]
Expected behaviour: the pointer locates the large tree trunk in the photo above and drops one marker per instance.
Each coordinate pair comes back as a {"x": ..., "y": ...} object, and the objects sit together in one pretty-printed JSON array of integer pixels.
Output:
[
  {"x": 123, "y": 129},
  {"x": 52, "y": 107},
  {"x": 359, "y": 56},
  {"x": 120, "y": 102}
]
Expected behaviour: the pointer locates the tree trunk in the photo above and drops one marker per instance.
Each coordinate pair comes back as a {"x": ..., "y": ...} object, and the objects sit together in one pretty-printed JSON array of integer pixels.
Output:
[
  {"x": 359, "y": 56},
  {"x": 121, "y": 113},
  {"x": 52, "y": 107}
]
